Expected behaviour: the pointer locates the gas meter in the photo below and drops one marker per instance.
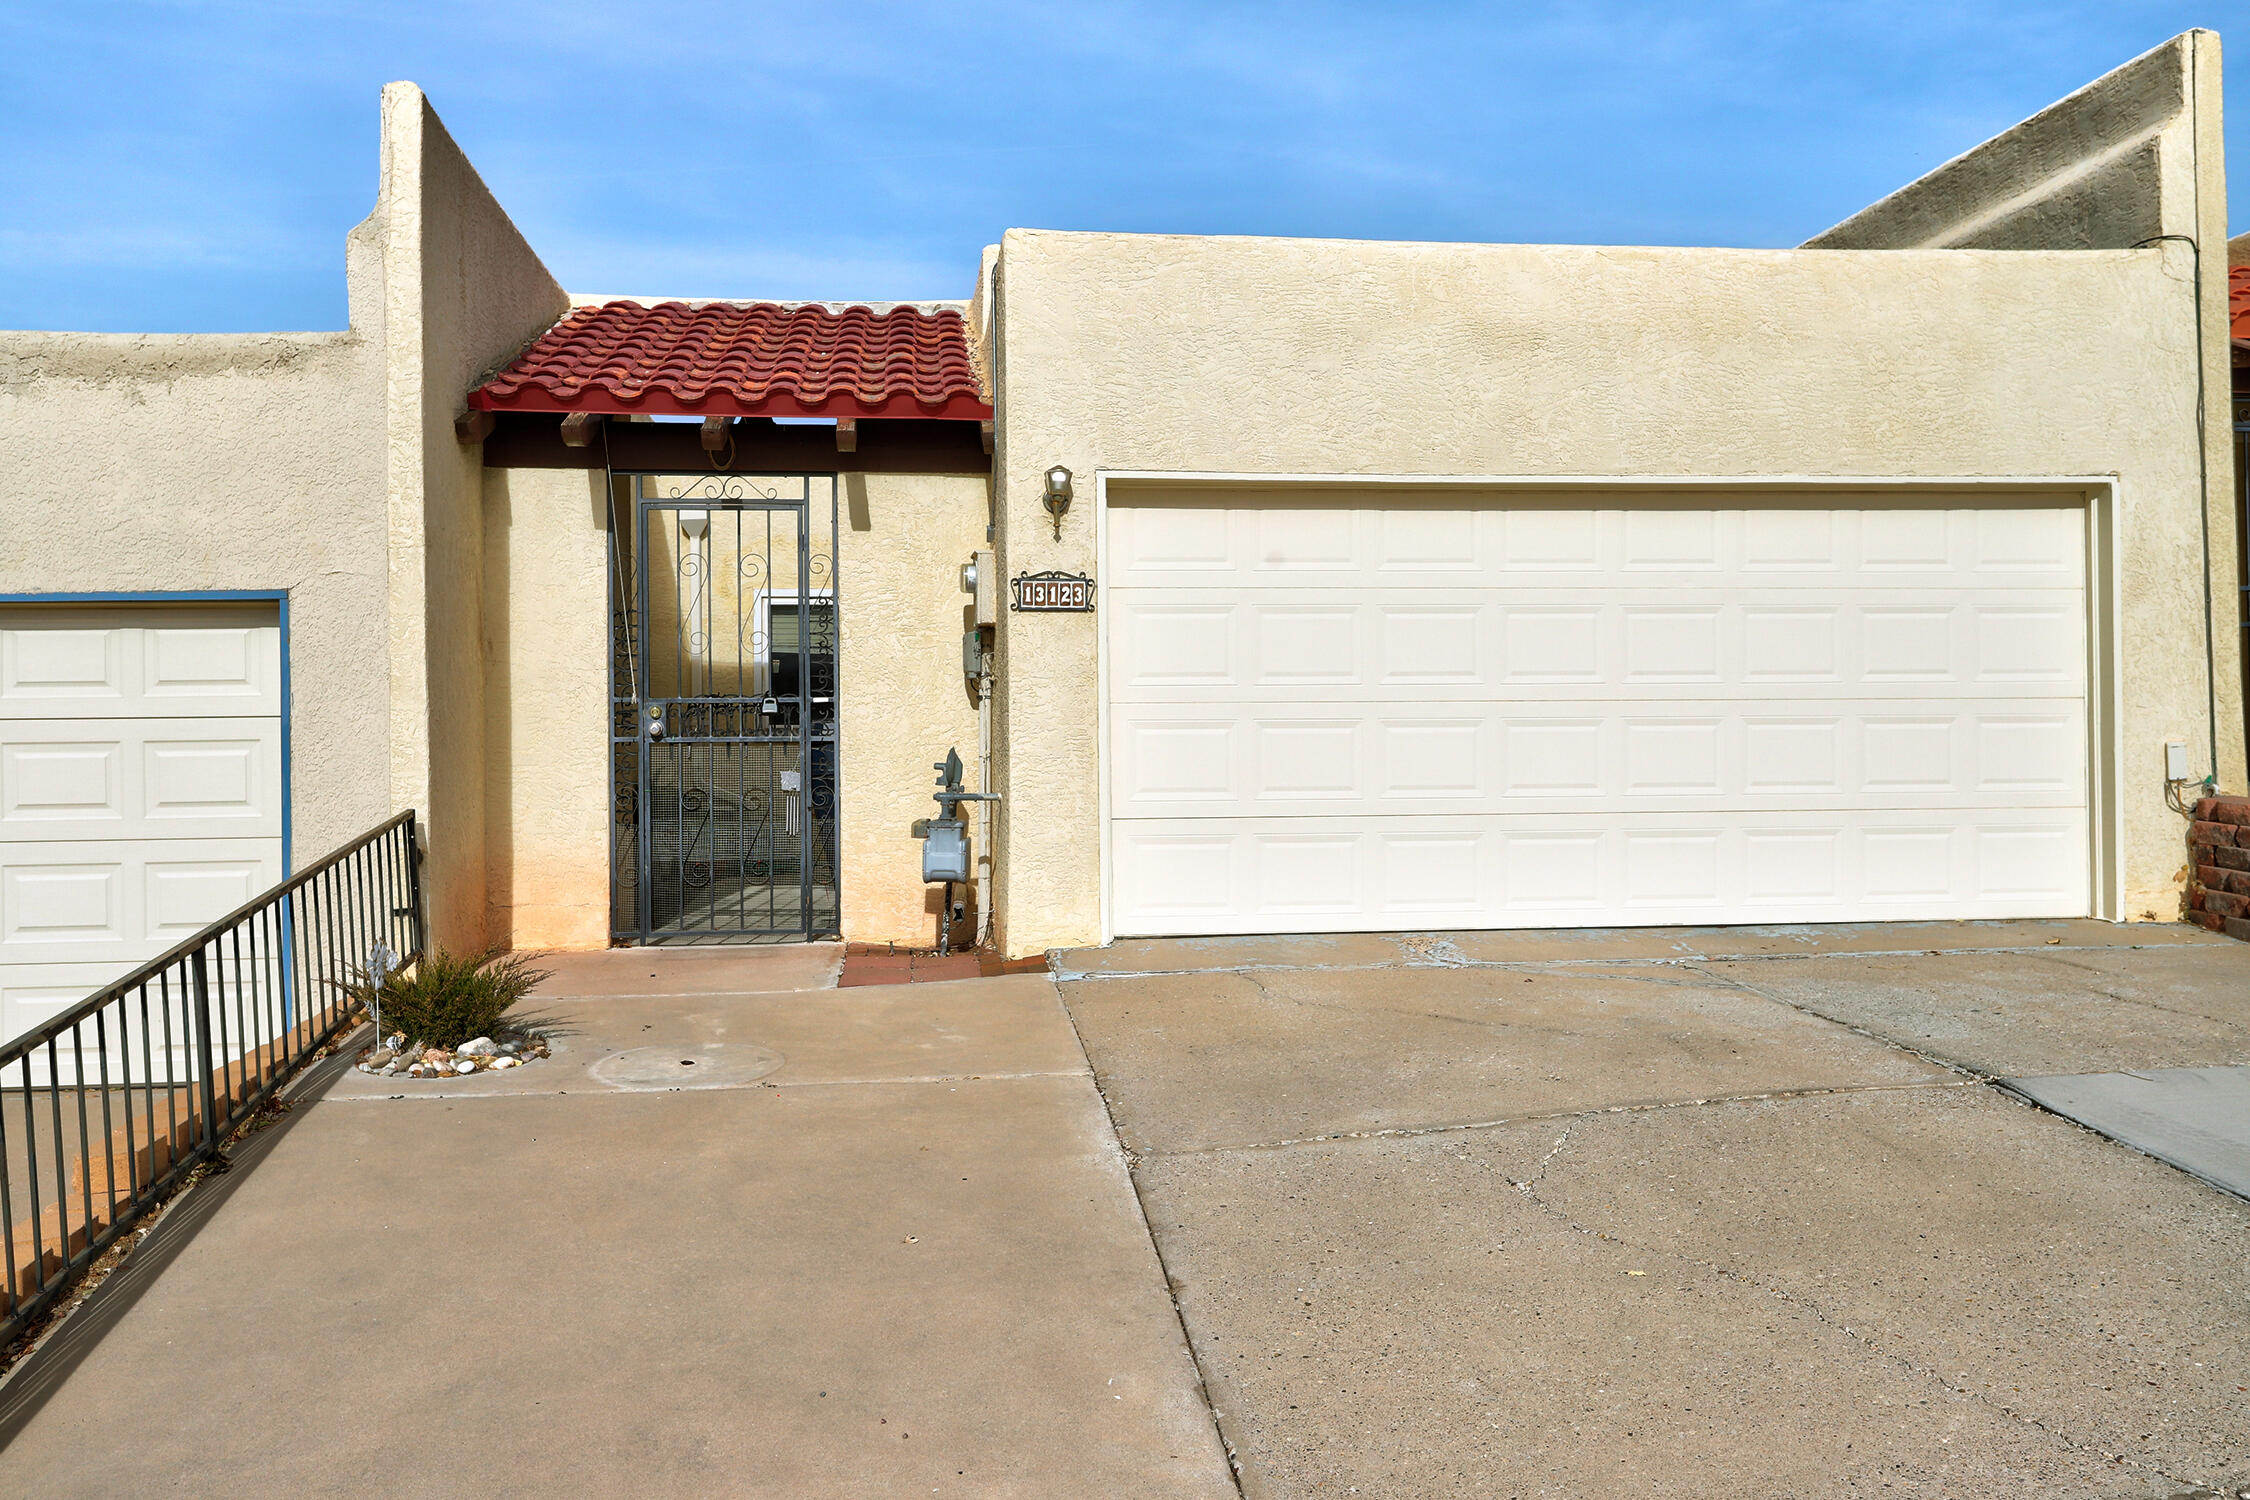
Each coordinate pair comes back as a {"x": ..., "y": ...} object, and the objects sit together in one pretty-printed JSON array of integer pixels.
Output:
[{"x": 945, "y": 838}]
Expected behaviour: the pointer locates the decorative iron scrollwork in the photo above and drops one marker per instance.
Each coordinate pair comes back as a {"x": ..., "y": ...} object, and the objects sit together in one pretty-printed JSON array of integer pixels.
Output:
[{"x": 716, "y": 489}]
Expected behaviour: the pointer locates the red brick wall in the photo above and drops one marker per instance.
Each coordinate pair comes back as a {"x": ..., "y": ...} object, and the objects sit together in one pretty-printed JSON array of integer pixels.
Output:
[{"x": 2219, "y": 858}]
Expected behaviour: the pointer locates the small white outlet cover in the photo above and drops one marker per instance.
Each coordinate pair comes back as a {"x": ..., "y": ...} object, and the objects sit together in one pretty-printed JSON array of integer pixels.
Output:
[{"x": 2175, "y": 761}]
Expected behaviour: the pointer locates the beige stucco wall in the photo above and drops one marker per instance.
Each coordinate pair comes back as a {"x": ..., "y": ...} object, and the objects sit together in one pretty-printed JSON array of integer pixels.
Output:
[
  {"x": 1244, "y": 356},
  {"x": 463, "y": 292},
  {"x": 202, "y": 462},
  {"x": 547, "y": 807},
  {"x": 904, "y": 702}
]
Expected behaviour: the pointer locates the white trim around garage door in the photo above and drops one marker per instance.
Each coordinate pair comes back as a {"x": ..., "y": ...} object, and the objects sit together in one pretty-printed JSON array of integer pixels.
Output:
[{"x": 2098, "y": 494}]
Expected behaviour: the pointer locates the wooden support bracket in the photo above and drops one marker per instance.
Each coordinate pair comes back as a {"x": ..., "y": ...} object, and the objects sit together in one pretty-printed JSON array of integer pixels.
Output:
[
  {"x": 984, "y": 430},
  {"x": 847, "y": 434},
  {"x": 579, "y": 427},
  {"x": 473, "y": 426},
  {"x": 714, "y": 434}
]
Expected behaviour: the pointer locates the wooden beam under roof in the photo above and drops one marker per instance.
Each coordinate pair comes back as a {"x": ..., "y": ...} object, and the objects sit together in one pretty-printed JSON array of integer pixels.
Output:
[
  {"x": 579, "y": 427},
  {"x": 847, "y": 435},
  {"x": 533, "y": 440}
]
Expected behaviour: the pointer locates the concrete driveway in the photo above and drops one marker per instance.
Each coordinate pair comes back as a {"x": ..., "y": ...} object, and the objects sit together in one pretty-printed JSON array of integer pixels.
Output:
[{"x": 1679, "y": 1213}]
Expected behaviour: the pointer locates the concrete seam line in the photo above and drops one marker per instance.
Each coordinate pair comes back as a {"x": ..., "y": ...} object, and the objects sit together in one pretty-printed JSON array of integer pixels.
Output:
[
  {"x": 1960, "y": 1069},
  {"x": 543, "y": 996},
  {"x": 1070, "y": 976},
  {"x": 594, "y": 1089},
  {"x": 1171, "y": 1291},
  {"x": 829, "y": 1083},
  {"x": 1457, "y": 1127}
]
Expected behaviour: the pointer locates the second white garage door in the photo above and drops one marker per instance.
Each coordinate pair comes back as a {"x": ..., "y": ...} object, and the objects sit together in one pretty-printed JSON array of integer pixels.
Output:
[
  {"x": 140, "y": 787},
  {"x": 1392, "y": 714}
]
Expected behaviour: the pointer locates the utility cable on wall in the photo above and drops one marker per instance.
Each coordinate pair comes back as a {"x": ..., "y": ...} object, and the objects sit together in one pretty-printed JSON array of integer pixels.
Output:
[{"x": 2203, "y": 511}]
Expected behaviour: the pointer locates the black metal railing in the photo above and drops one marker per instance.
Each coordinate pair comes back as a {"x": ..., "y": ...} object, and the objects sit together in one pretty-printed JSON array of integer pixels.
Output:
[{"x": 107, "y": 1106}]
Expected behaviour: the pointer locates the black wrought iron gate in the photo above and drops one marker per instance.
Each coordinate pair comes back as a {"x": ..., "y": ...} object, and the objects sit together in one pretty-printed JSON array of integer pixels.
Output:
[{"x": 723, "y": 695}]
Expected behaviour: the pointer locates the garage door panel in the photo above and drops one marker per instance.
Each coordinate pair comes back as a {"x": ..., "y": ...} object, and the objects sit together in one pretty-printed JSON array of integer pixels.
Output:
[
  {"x": 79, "y": 901},
  {"x": 1181, "y": 759},
  {"x": 80, "y": 662},
  {"x": 1416, "y": 645},
  {"x": 1388, "y": 874},
  {"x": 62, "y": 783},
  {"x": 103, "y": 901},
  {"x": 214, "y": 778},
  {"x": 1806, "y": 542},
  {"x": 215, "y": 669},
  {"x": 66, "y": 779}
]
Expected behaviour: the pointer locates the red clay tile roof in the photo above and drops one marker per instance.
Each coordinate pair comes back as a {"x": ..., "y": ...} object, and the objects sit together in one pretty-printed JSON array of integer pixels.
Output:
[
  {"x": 2238, "y": 301},
  {"x": 743, "y": 359}
]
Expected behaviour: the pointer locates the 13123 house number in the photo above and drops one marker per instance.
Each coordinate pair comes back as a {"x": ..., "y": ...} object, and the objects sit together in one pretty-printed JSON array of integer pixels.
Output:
[{"x": 1061, "y": 593}]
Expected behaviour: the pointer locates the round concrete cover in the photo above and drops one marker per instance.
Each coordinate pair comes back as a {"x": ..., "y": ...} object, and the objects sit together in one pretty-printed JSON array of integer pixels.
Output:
[{"x": 695, "y": 1065}]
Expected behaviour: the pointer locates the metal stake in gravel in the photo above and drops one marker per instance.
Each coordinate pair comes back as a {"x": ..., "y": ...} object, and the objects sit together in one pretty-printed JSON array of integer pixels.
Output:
[{"x": 381, "y": 964}]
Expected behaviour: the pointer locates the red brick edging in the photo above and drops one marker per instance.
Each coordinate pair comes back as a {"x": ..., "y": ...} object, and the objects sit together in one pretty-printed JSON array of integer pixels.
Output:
[
  {"x": 2218, "y": 893},
  {"x": 886, "y": 963}
]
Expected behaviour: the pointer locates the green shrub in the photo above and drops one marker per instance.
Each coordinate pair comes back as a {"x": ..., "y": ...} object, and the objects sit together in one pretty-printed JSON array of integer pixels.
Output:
[{"x": 446, "y": 999}]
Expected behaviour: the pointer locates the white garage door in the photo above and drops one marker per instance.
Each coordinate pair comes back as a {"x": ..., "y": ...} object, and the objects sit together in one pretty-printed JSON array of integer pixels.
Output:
[
  {"x": 140, "y": 788},
  {"x": 1396, "y": 714}
]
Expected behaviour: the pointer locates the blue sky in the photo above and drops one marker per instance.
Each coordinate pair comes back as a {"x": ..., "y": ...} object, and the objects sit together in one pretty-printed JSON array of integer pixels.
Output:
[{"x": 179, "y": 167}]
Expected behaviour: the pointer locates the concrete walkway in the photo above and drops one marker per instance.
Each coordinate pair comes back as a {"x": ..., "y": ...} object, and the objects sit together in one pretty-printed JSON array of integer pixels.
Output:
[
  {"x": 742, "y": 1235},
  {"x": 1689, "y": 1214}
]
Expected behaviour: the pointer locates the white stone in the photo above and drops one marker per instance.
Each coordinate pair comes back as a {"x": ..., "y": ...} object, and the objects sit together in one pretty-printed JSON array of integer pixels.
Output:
[
  {"x": 479, "y": 1047},
  {"x": 464, "y": 1067},
  {"x": 505, "y": 1062}
]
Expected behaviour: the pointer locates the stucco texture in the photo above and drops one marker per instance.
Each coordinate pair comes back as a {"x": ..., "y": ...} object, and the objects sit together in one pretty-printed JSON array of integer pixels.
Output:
[
  {"x": 904, "y": 700},
  {"x": 547, "y": 803},
  {"x": 1297, "y": 357},
  {"x": 199, "y": 462}
]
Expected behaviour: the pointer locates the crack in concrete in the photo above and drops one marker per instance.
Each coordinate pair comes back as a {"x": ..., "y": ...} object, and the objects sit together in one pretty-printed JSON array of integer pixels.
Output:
[
  {"x": 2155, "y": 1005},
  {"x": 1529, "y": 1188},
  {"x": 1454, "y": 1127},
  {"x": 1977, "y": 1075},
  {"x": 1349, "y": 1008}
]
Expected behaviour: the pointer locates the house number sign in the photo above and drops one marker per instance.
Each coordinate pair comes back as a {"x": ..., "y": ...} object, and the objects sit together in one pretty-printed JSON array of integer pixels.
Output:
[{"x": 1054, "y": 593}]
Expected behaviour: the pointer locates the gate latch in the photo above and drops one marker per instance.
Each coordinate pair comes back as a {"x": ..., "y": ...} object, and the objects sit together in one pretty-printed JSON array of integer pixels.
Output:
[{"x": 652, "y": 722}]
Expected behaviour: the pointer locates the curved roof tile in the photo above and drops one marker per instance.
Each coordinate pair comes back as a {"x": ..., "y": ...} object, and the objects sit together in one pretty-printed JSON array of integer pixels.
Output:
[{"x": 740, "y": 359}]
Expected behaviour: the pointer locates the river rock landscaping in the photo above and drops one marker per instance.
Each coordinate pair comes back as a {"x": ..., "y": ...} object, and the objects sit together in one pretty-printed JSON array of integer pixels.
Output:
[{"x": 395, "y": 1057}]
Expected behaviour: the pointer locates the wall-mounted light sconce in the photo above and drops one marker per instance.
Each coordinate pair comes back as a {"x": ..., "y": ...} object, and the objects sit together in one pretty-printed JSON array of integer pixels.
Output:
[{"x": 1058, "y": 495}]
